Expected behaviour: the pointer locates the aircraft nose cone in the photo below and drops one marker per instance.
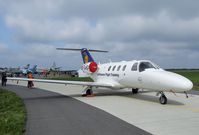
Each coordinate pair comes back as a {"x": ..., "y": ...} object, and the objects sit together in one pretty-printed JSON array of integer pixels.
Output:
[
  {"x": 187, "y": 85},
  {"x": 176, "y": 82},
  {"x": 182, "y": 84}
]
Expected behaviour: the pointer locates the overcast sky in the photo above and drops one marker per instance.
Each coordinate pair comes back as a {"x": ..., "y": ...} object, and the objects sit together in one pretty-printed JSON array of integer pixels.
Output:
[{"x": 163, "y": 31}]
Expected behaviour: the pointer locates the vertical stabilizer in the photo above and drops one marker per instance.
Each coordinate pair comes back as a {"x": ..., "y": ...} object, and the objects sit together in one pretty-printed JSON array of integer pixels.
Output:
[{"x": 86, "y": 56}]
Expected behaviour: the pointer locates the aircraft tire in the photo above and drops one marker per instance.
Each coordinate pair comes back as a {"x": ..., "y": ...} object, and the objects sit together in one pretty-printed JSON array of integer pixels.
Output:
[
  {"x": 135, "y": 91},
  {"x": 163, "y": 99},
  {"x": 89, "y": 92}
]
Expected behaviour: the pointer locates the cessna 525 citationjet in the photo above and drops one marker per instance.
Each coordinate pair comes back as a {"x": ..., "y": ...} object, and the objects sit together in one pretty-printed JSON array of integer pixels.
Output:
[{"x": 135, "y": 74}]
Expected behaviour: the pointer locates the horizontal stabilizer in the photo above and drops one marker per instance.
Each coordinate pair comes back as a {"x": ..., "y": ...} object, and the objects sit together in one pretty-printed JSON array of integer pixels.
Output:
[{"x": 73, "y": 49}]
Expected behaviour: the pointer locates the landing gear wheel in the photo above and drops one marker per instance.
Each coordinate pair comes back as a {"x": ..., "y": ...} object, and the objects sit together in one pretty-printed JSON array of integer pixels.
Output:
[
  {"x": 89, "y": 92},
  {"x": 134, "y": 91},
  {"x": 163, "y": 99}
]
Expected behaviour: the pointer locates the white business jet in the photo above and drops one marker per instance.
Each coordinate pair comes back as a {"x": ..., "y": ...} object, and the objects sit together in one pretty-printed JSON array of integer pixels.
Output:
[{"x": 135, "y": 74}]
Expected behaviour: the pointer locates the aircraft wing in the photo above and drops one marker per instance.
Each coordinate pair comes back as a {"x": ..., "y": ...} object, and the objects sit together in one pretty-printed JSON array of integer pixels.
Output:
[{"x": 94, "y": 84}]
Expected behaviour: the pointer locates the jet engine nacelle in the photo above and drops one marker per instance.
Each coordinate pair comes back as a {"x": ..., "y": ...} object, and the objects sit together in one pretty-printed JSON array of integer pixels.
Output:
[{"x": 90, "y": 67}]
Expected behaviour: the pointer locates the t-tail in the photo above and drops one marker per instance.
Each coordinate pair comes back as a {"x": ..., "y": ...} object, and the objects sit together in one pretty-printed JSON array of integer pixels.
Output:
[
  {"x": 86, "y": 56},
  {"x": 90, "y": 66}
]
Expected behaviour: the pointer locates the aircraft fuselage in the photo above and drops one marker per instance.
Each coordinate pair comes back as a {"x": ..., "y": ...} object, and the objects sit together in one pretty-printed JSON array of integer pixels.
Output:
[{"x": 140, "y": 74}]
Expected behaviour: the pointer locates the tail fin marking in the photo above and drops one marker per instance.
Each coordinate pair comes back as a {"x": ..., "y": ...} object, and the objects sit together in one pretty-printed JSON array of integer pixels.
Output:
[{"x": 86, "y": 56}]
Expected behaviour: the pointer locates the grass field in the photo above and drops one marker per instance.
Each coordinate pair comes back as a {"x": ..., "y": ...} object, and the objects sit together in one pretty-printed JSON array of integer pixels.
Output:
[
  {"x": 12, "y": 114},
  {"x": 193, "y": 75}
]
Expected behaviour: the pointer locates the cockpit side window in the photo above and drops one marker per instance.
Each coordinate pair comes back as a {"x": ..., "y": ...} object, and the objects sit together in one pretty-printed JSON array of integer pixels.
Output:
[
  {"x": 145, "y": 65},
  {"x": 134, "y": 67}
]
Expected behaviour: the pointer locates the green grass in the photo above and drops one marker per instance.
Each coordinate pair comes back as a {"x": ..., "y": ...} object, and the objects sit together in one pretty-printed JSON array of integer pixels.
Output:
[
  {"x": 193, "y": 75},
  {"x": 12, "y": 114},
  {"x": 86, "y": 79}
]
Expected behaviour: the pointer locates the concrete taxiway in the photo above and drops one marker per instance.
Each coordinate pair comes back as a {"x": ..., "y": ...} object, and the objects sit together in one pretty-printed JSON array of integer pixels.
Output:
[
  {"x": 50, "y": 113},
  {"x": 180, "y": 116}
]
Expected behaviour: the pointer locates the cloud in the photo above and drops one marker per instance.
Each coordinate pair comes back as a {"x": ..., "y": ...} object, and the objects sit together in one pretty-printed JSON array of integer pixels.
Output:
[
  {"x": 98, "y": 9},
  {"x": 121, "y": 29},
  {"x": 73, "y": 30},
  {"x": 157, "y": 30}
]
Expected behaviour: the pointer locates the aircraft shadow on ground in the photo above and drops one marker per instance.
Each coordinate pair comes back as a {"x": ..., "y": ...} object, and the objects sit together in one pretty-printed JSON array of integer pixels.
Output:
[
  {"x": 128, "y": 94},
  {"x": 102, "y": 92}
]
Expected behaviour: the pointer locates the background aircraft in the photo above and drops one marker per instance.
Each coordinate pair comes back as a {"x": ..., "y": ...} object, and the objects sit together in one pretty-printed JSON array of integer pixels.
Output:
[
  {"x": 54, "y": 67},
  {"x": 135, "y": 74},
  {"x": 27, "y": 69},
  {"x": 23, "y": 71}
]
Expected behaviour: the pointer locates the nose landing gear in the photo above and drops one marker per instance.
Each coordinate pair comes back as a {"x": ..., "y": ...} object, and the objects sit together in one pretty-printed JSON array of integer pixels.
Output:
[
  {"x": 162, "y": 99},
  {"x": 135, "y": 91}
]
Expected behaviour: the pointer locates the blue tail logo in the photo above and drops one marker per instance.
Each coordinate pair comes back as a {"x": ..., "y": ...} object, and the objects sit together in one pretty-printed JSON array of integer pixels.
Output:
[{"x": 86, "y": 56}]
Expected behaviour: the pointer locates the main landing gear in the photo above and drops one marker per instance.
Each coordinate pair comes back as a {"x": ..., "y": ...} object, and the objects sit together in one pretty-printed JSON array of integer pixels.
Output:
[
  {"x": 87, "y": 92},
  {"x": 135, "y": 91},
  {"x": 162, "y": 99}
]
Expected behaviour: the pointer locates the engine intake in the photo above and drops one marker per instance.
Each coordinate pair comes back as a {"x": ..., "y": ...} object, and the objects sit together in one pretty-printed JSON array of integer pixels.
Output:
[{"x": 93, "y": 67}]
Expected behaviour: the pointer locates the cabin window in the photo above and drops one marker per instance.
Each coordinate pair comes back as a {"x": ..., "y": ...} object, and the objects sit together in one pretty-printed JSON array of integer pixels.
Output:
[
  {"x": 113, "y": 68},
  {"x": 134, "y": 67},
  {"x": 124, "y": 67},
  {"x": 145, "y": 65},
  {"x": 109, "y": 68},
  {"x": 118, "y": 68}
]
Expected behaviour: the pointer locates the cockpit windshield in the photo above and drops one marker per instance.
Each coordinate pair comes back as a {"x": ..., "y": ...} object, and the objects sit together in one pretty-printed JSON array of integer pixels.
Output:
[{"x": 146, "y": 65}]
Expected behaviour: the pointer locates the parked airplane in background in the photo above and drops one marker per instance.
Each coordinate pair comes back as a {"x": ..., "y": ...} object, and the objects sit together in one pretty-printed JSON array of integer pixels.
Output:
[
  {"x": 135, "y": 74},
  {"x": 27, "y": 69},
  {"x": 27, "y": 66},
  {"x": 21, "y": 71},
  {"x": 45, "y": 71},
  {"x": 54, "y": 67}
]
